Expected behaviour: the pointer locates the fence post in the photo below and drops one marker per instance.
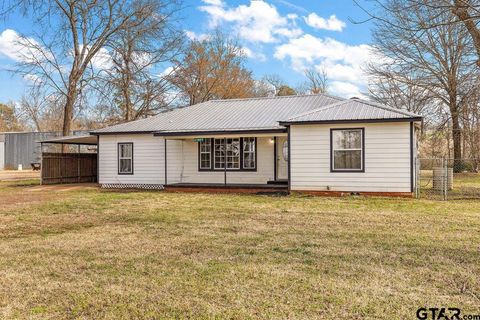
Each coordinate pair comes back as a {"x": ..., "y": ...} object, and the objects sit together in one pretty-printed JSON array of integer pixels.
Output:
[{"x": 445, "y": 178}]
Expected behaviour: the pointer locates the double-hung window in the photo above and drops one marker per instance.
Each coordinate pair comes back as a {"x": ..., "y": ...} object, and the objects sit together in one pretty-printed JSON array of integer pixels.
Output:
[
  {"x": 125, "y": 158},
  {"x": 230, "y": 154},
  {"x": 347, "y": 146},
  {"x": 205, "y": 153},
  {"x": 249, "y": 152}
]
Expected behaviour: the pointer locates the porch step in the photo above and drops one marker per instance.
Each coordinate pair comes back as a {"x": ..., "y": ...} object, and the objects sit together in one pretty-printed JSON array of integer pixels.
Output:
[{"x": 278, "y": 182}]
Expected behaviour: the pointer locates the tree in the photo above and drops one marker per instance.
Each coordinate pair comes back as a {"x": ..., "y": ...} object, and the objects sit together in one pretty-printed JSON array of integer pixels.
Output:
[
  {"x": 403, "y": 95},
  {"x": 317, "y": 81},
  {"x": 466, "y": 11},
  {"x": 437, "y": 59},
  {"x": 133, "y": 83},
  {"x": 286, "y": 91},
  {"x": 9, "y": 118},
  {"x": 71, "y": 48},
  {"x": 213, "y": 68},
  {"x": 43, "y": 112},
  {"x": 274, "y": 81}
]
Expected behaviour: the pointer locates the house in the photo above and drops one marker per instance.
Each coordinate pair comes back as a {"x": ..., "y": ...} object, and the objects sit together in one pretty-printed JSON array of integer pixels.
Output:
[
  {"x": 312, "y": 143},
  {"x": 318, "y": 144}
]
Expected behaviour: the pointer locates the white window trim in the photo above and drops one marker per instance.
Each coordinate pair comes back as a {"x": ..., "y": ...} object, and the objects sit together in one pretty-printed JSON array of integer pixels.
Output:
[
  {"x": 120, "y": 144},
  {"x": 361, "y": 149},
  {"x": 209, "y": 141}
]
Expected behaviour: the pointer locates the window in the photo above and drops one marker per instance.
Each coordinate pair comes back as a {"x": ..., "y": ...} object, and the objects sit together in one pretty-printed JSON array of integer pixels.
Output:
[
  {"x": 249, "y": 153},
  {"x": 232, "y": 153},
  {"x": 347, "y": 150},
  {"x": 205, "y": 152},
  {"x": 125, "y": 158},
  {"x": 285, "y": 150}
]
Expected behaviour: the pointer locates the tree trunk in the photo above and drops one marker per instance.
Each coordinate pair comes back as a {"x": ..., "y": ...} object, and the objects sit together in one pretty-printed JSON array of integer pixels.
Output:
[
  {"x": 69, "y": 105},
  {"x": 461, "y": 11},
  {"x": 457, "y": 140}
]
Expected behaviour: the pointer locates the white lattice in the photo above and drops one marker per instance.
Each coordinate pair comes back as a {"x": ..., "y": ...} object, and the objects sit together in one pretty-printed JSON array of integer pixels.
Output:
[{"x": 132, "y": 186}]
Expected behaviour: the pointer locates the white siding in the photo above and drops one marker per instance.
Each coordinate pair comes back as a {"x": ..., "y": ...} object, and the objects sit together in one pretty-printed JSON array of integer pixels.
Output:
[
  {"x": 387, "y": 159},
  {"x": 148, "y": 159},
  {"x": 263, "y": 174},
  {"x": 182, "y": 162}
]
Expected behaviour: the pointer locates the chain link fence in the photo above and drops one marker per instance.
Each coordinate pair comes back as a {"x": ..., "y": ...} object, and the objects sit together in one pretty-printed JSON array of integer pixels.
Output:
[{"x": 447, "y": 179}]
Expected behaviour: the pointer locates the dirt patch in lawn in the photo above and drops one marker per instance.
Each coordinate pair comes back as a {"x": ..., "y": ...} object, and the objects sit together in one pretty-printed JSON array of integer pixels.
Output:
[
  {"x": 15, "y": 175},
  {"x": 17, "y": 194}
]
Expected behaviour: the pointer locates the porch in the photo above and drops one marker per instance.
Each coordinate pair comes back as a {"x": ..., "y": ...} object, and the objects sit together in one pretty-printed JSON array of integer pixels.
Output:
[{"x": 229, "y": 162}]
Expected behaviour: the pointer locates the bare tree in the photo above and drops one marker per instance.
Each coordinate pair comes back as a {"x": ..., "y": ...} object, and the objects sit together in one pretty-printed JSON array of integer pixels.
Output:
[
  {"x": 317, "y": 81},
  {"x": 70, "y": 49},
  {"x": 466, "y": 11},
  {"x": 437, "y": 59},
  {"x": 135, "y": 83},
  {"x": 275, "y": 81},
  {"x": 42, "y": 112},
  {"x": 213, "y": 68}
]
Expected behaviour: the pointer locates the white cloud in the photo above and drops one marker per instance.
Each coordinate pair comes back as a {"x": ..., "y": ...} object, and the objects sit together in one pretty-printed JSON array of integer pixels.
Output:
[
  {"x": 102, "y": 60},
  {"x": 17, "y": 48},
  {"x": 256, "y": 22},
  {"x": 194, "y": 36},
  {"x": 345, "y": 89},
  {"x": 331, "y": 24},
  {"x": 254, "y": 55},
  {"x": 343, "y": 63},
  {"x": 168, "y": 71},
  {"x": 213, "y": 2}
]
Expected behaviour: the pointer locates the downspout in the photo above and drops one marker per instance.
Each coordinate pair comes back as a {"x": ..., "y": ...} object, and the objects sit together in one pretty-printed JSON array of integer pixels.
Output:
[
  {"x": 289, "y": 160},
  {"x": 165, "y": 157},
  {"x": 41, "y": 163}
]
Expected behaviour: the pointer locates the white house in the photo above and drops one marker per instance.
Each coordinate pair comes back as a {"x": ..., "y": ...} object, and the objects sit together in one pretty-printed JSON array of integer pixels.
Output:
[{"x": 314, "y": 143}]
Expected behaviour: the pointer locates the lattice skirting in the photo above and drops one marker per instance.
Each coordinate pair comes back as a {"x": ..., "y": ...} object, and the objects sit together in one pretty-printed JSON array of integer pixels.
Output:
[{"x": 132, "y": 186}]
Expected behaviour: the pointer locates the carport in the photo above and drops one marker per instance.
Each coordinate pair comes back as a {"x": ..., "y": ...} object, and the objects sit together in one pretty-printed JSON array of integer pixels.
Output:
[{"x": 70, "y": 159}]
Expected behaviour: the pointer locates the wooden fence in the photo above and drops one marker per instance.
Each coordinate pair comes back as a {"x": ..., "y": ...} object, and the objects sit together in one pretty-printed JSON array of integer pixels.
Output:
[{"x": 69, "y": 168}]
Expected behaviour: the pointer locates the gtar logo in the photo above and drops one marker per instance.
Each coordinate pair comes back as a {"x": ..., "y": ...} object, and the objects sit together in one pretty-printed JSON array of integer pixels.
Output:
[{"x": 438, "y": 313}]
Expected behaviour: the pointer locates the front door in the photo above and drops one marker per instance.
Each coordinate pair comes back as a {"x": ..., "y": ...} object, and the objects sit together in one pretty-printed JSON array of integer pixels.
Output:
[{"x": 282, "y": 158}]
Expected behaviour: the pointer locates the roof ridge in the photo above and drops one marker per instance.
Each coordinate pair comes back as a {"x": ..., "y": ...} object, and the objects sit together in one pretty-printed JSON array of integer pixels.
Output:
[
  {"x": 388, "y": 108},
  {"x": 280, "y": 97},
  {"x": 335, "y": 104}
]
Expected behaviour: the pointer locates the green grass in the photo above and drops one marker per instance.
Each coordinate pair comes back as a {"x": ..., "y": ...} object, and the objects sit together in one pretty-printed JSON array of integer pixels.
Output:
[{"x": 102, "y": 254}]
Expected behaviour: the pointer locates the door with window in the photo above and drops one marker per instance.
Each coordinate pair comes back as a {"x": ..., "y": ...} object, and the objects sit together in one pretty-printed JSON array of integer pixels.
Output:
[{"x": 282, "y": 158}]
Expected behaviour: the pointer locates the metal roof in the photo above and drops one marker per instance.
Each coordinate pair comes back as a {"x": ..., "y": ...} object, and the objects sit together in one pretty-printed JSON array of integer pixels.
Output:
[
  {"x": 76, "y": 139},
  {"x": 352, "y": 110},
  {"x": 233, "y": 114},
  {"x": 255, "y": 114}
]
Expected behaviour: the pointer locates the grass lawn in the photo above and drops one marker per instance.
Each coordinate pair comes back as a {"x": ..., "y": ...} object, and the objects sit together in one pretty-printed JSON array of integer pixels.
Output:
[{"x": 88, "y": 253}]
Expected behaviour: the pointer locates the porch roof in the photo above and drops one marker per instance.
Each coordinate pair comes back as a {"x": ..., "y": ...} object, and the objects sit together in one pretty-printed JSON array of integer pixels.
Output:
[{"x": 86, "y": 140}]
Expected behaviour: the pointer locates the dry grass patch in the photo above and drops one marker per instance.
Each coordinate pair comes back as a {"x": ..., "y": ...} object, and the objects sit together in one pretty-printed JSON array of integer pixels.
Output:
[{"x": 101, "y": 254}]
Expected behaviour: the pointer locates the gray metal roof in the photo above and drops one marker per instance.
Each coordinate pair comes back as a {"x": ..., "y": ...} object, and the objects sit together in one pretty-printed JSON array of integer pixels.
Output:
[
  {"x": 247, "y": 114},
  {"x": 233, "y": 114},
  {"x": 352, "y": 110}
]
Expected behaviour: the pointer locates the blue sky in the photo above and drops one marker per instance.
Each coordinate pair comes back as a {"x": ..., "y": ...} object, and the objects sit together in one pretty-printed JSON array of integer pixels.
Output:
[{"x": 279, "y": 36}]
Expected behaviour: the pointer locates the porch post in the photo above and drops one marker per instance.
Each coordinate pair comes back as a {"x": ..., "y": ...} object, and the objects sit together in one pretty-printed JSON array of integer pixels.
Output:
[
  {"x": 165, "y": 157},
  {"x": 275, "y": 158},
  {"x": 225, "y": 160}
]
